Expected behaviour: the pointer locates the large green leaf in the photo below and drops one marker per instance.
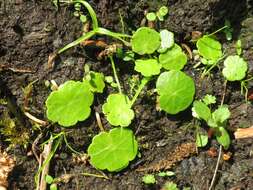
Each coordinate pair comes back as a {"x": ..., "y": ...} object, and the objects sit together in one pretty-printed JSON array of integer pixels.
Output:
[
  {"x": 70, "y": 103},
  {"x": 145, "y": 41},
  {"x": 173, "y": 59},
  {"x": 113, "y": 150},
  {"x": 176, "y": 91},
  {"x": 147, "y": 67},
  {"x": 118, "y": 110},
  {"x": 234, "y": 68},
  {"x": 209, "y": 48}
]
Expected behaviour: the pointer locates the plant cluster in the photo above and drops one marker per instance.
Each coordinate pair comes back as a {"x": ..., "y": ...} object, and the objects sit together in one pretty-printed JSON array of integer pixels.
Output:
[
  {"x": 216, "y": 120},
  {"x": 159, "y": 58},
  {"x": 156, "y": 57}
]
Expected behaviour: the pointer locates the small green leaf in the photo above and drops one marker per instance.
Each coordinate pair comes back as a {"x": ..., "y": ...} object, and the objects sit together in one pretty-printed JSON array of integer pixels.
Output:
[
  {"x": 149, "y": 179},
  {"x": 176, "y": 91},
  {"x": 83, "y": 18},
  {"x": 173, "y": 59},
  {"x": 209, "y": 99},
  {"x": 167, "y": 173},
  {"x": 221, "y": 114},
  {"x": 145, "y": 41},
  {"x": 49, "y": 179},
  {"x": 167, "y": 39},
  {"x": 234, "y": 68},
  {"x": 113, "y": 150},
  {"x": 95, "y": 81},
  {"x": 151, "y": 16},
  {"x": 239, "y": 47},
  {"x": 128, "y": 56},
  {"x": 118, "y": 110},
  {"x": 70, "y": 103},
  {"x": 170, "y": 186},
  {"x": 163, "y": 11},
  {"x": 147, "y": 67},
  {"x": 53, "y": 186},
  {"x": 223, "y": 138},
  {"x": 202, "y": 110},
  {"x": 201, "y": 140},
  {"x": 209, "y": 48}
]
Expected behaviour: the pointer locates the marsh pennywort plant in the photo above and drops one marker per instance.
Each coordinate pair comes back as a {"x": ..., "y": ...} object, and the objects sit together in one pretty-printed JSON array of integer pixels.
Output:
[{"x": 216, "y": 120}]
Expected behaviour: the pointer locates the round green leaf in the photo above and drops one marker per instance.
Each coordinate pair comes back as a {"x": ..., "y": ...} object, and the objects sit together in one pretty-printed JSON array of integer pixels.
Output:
[
  {"x": 147, "y": 67},
  {"x": 145, "y": 41},
  {"x": 173, "y": 59},
  {"x": 70, "y": 103},
  {"x": 234, "y": 68},
  {"x": 176, "y": 91},
  {"x": 113, "y": 150},
  {"x": 118, "y": 110},
  {"x": 209, "y": 48},
  {"x": 151, "y": 16},
  {"x": 163, "y": 11}
]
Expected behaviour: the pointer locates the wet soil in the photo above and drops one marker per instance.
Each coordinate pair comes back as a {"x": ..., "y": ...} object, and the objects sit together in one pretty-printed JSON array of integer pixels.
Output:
[{"x": 31, "y": 30}]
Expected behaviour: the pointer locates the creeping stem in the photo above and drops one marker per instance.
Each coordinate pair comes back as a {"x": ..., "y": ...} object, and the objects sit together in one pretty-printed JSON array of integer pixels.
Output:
[
  {"x": 144, "y": 81},
  {"x": 91, "y": 12},
  {"x": 115, "y": 74}
]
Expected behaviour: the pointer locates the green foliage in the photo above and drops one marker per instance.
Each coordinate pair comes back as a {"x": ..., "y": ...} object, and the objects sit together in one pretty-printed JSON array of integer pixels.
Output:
[
  {"x": 70, "y": 103},
  {"x": 166, "y": 174},
  {"x": 49, "y": 179},
  {"x": 167, "y": 40},
  {"x": 209, "y": 99},
  {"x": 201, "y": 110},
  {"x": 113, "y": 150},
  {"x": 209, "y": 48},
  {"x": 163, "y": 11},
  {"x": 176, "y": 91},
  {"x": 173, "y": 59},
  {"x": 217, "y": 120},
  {"x": 149, "y": 179},
  {"x": 147, "y": 67},
  {"x": 238, "y": 47},
  {"x": 151, "y": 16},
  {"x": 222, "y": 137},
  {"x": 145, "y": 41},
  {"x": 95, "y": 81},
  {"x": 170, "y": 186},
  {"x": 234, "y": 68},
  {"x": 118, "y": 110},
  {"x": 201, "y": 140},
  {"x": 220, "y": 115}
]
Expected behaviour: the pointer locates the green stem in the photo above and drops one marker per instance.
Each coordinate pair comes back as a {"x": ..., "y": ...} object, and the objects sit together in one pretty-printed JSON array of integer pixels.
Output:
[
  {"x": 67, "y": 144},
  {"x": 144, "y": 81},
  {"x": 119, "y": 36},
  {"x": 91, "y": 12},
  {"x": 217, "y": 31},
  {"x": 47, "y": 160},
  {"x": 78, "y": 41},
  {"x": 115, "y": 74}
]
